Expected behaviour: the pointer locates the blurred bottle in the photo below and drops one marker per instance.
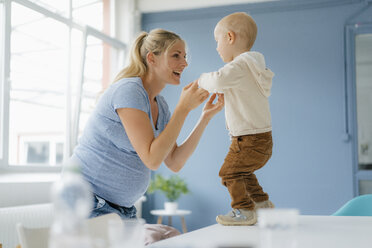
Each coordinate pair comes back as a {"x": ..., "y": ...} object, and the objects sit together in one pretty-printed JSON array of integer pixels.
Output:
[
  {"x": 278, "y": 227},
  {"x": 72, "y": 199}
]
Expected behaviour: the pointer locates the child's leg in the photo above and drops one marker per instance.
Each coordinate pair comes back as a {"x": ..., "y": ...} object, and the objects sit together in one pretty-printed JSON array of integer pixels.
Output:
[
  {"x": 234, "y": 180},
  {"x": 243, "y": 212},
  {"x": 258, "y": 149},
  {"x": 243, "y": 159},
  {"x": 254, "y": 189},
  {"x": 239, "y": 196},
  {"x": 246, "y": 155}
]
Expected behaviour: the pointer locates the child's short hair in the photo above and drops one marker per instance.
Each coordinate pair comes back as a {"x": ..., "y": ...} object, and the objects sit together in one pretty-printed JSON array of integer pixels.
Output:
[{"x": 242, "y": 24}]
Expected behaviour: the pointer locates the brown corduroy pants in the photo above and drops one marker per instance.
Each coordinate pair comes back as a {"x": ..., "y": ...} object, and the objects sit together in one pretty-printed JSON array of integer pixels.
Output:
[{"x": 247, "y": 154}]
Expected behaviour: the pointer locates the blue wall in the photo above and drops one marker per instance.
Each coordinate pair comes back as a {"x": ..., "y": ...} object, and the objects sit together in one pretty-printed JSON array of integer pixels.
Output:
[{"x": 311, "y": 167}]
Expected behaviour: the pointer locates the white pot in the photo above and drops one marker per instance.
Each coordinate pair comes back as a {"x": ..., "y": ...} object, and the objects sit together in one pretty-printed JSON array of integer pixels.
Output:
[{"x": 170, "y": 207}]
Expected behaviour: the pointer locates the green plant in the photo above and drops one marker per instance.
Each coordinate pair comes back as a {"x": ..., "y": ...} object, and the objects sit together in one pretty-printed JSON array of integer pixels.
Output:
[{"x": 171, "y": 187}]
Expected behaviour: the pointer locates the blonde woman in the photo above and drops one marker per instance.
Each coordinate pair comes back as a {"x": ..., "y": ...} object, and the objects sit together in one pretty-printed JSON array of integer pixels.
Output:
[{"x": 132, "y": 131}]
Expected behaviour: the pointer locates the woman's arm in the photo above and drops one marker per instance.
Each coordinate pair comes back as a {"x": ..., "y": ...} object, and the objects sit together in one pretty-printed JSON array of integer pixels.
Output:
[
  {"x": 179, "y": 155},
  {"x": 137, "y": 124}
]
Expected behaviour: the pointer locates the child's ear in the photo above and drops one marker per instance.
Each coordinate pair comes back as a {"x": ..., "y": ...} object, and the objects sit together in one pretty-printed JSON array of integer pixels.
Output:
[{"x": 231, "y": 36}]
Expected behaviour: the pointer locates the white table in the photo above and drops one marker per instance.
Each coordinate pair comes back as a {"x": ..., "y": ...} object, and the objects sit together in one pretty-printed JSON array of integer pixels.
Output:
[
  {"x": 179, "y": 212},
  {"x": 312, "y": 232}
]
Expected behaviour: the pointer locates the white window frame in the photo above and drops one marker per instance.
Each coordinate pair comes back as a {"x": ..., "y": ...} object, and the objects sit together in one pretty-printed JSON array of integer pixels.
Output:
[{"x": 72, "y": 123}]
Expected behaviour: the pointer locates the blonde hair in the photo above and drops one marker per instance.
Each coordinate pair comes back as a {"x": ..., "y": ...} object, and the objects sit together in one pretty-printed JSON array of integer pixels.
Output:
[
  {"x": 241, "y": 24},
  {"x": 157, "y": 41}
]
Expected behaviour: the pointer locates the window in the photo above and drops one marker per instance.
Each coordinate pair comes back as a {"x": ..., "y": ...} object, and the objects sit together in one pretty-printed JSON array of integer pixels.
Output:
[
  {"x": 363, "y": 75},
  {"x": 86, "y": 11},
  {"x": 3, "y": 17},
  {"x": 56, "y": 6},
  {"x": 55, "y": 66},
  {"x": 38, "y": 69},
  {"x": 46, "y": 149}
]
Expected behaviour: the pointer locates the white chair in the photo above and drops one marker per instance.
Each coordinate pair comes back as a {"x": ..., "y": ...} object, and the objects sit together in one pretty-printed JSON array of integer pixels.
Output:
[
  {"x": 98, "y": 227},
  {"x": 38, "y": 237},
  {"x": 33, "y": 237}
]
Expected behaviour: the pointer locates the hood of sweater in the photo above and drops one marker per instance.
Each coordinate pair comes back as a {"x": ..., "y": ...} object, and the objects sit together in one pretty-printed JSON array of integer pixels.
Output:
[{"x": 262, "y": 74}]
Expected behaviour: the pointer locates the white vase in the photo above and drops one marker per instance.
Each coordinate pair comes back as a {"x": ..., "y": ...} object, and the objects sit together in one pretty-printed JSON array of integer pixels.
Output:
[{"x": 170, "y": 207}]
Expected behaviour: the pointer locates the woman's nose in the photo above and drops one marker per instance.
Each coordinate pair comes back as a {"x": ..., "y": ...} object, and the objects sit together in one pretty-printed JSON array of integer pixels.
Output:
[{"x": 185, "y": 64}]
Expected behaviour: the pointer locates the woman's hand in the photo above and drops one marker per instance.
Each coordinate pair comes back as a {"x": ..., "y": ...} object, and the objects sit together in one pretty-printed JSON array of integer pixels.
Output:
[
  {"x": 210, "y": 108},
  {"x": 179, "y": 155},
  {"x": 192, "y": 96}
]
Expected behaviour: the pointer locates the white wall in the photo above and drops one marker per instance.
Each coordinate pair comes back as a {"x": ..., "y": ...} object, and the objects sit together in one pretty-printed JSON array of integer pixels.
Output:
[
  {"x": 16, "y": 194},
  {"x": 17, "y": 190}
]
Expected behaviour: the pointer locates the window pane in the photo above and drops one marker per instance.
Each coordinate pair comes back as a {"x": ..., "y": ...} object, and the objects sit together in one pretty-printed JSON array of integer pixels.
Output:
[
  {"x": 40, "y": 149},
  {"x": 38, "y": 79},
  {"x": 37, "y": 152},
  {"x": 57, "y": 6},
  {"x": 365, "y": 187},
  {"x": 1, "y": 76},
  {"x": 89, "y": 13},
  {"x": 59, "y": 153},
  {"x": 82, "y": 3},
  {"x": 363, "y": 58},
  {"x": 75, "y": 67},
  {"x": 101, "y": 66}
]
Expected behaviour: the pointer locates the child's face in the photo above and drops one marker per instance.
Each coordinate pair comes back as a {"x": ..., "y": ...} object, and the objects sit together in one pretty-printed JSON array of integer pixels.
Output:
[{"x": 224, "y": 46}]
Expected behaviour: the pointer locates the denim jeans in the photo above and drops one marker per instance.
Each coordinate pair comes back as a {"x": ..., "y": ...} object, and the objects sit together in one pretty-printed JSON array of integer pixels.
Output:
[{"x": 102, "y": 207}]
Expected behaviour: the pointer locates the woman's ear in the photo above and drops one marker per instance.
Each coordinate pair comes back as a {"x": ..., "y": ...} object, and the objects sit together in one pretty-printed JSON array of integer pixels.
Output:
[
  {"x": 150, "y": 57},
  {"x": 231, "y": 36}
]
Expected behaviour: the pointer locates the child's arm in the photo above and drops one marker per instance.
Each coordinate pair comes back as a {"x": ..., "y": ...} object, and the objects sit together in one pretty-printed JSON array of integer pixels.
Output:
[{"x": 226, "y": 77}]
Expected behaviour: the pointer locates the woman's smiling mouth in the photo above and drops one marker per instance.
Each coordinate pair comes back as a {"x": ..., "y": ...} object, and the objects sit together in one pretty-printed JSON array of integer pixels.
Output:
[{"x": 177, "y": 73}]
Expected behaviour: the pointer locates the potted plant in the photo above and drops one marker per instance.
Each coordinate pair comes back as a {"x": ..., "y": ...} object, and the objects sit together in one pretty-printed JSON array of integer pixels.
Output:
[{"x": 172, "y": 187}]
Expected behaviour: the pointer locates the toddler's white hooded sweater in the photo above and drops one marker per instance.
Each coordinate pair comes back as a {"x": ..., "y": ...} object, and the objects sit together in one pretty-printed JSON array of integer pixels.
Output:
[{"x": 246, "y": 84}]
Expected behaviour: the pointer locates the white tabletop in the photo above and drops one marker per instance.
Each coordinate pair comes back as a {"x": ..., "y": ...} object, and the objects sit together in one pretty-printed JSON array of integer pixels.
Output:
[
  {"x": 162, "y": 212},
  {"x": 312, "y": 232}
]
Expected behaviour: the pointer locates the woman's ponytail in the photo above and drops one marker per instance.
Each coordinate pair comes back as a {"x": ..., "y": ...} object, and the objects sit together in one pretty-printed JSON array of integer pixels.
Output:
[{"x": 137, "y": 63}]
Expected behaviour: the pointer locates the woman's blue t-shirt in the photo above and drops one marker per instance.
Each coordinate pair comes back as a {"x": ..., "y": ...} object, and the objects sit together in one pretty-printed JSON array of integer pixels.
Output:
[{"x": 107, "y": 158}]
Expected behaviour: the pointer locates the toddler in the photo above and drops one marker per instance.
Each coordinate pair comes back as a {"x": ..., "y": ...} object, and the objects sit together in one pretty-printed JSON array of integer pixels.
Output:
[{"x": 246, "y": 83}]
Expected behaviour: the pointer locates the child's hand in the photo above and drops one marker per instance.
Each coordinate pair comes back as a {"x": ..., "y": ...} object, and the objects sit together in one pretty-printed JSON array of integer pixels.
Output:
[{"x": 210, "y": 108}]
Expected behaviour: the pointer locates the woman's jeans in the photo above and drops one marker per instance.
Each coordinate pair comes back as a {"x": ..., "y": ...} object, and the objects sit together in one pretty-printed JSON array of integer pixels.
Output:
[
  {"x": 102, "y": 207},
  {"x": 247, "y": 154}
]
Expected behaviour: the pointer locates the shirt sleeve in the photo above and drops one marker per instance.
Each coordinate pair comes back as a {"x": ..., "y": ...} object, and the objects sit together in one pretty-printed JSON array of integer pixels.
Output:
[
  {"x": 165, "y": 108},
  {"x": 130, "y": 95},
  {"x": 168, "y": 114},
  {"x": 227, "y": 77}
]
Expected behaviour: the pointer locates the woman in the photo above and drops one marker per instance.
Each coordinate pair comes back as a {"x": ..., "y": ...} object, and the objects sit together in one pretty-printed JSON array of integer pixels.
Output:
[{"x": 131, "y": 131}]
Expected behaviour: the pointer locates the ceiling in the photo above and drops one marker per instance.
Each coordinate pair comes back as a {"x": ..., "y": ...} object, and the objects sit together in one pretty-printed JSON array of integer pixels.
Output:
[{"x": 147, "y": 6}]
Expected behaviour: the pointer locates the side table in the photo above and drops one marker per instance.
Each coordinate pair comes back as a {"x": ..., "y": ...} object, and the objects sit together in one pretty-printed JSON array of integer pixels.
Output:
[{"x": 180, "y": 212}]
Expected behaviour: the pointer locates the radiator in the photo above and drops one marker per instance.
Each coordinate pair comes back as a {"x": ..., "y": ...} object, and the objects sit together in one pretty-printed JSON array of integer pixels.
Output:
[{"x": 39, "y": 215}]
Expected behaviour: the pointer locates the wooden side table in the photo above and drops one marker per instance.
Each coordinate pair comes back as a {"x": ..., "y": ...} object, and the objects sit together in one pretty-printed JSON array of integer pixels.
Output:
[{"x": 180, "y": 212}]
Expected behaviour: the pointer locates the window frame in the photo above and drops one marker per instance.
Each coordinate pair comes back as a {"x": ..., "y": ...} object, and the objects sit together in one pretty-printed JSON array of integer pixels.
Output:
[
  {"x": 351, "y": 120},
  {"x": 72, "y": 120}
]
